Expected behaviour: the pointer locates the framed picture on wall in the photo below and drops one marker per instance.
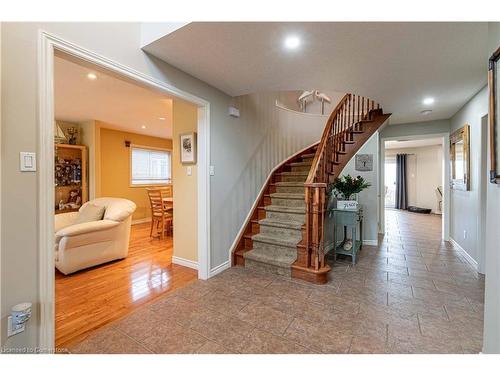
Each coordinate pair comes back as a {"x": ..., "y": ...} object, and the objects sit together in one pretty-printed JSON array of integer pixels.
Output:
[
  {"x": 493, "y": 73},
  {"x": 188, "y": 148}
]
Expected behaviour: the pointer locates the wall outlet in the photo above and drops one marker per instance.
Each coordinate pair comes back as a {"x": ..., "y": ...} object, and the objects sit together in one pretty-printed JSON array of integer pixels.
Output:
[
  {"x": 13, "y": 330},
  {"x": 465, "y": 234},
  {"x": 211, "y": 170}
]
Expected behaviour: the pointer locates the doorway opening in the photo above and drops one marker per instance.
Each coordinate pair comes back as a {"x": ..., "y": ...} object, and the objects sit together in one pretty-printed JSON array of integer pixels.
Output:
[
  {"x": 86, "y": 181},
  {"x": 415, "y": 178}
]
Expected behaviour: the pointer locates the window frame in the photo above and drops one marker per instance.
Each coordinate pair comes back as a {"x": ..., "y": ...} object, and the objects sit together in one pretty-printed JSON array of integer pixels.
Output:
[{"x": 131, "y": 147}]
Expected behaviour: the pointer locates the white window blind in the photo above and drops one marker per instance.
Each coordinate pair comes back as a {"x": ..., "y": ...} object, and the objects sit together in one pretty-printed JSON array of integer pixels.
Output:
[{"x": 150, "y": 167}]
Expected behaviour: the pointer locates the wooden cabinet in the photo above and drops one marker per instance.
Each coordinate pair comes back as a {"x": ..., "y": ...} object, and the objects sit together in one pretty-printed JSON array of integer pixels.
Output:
[{"x": 70, "y": 177}]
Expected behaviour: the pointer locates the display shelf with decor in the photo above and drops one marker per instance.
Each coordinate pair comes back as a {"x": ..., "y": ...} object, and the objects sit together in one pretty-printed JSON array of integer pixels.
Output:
[{"x": 70, "y": 177}]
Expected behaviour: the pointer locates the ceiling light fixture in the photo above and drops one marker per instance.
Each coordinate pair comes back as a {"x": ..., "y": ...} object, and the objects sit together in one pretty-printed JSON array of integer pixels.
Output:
[
  {"x": 426, "y": 112},
  {"x": 292, "y": 42},
  {"x": 428, "y": 101},
  {"x": 143, "y": 126},
  {"x": 161, "y": 118},
  {"x": 92, "y": 76}
]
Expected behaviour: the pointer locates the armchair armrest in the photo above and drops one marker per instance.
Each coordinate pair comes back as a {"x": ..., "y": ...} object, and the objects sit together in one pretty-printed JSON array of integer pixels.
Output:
[
  {"x": 89, "y": 227},
  {"x": 64, "y": 220}
]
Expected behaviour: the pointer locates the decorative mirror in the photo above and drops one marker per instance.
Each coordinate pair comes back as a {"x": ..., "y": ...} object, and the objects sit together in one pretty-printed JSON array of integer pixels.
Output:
[
  {"x": 459, "y": 157},
  {"x": 493, "y": 119}
]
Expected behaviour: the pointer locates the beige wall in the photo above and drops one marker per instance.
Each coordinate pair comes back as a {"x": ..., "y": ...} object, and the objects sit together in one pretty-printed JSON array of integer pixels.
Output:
[
  {"x": 114, "y": 179},
  {"x": 184, "y": 186},
  {"x": 425, "y": 174}
]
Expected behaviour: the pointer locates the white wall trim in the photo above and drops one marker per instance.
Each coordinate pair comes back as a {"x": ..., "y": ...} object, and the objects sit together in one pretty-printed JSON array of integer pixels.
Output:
[
  {"x": 466, "y": 255},
  {"x": 185, "y": 262},
  {"x": 370, "y": 242},
  {"x": 256, "y": 201},
  {"x": 224, "y": 266},
  {"x": 48, "y": 44}
]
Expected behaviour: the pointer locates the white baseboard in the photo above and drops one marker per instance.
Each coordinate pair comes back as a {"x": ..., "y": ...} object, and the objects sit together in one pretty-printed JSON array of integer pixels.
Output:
[
  {"x": 466, "y": 255},
  {"x": 141, "y": 221},
  {"x": 185, "y": 262},
  {"x": 224, "y": 266},
  {"x": 370, "y": 242}
]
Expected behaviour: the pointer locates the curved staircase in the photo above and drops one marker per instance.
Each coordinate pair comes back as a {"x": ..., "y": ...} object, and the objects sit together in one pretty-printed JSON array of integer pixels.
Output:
[{"x": 285, "y": 232}]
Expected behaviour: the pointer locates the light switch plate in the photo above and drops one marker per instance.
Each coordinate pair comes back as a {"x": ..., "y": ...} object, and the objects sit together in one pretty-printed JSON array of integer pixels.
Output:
[
  {"x": 189, "y": 171},
  {"x": 27, "y": 161}
]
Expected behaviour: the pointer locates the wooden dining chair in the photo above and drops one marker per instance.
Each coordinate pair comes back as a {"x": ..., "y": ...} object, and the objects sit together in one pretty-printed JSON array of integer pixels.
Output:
[{"x": 161, "y": 216}]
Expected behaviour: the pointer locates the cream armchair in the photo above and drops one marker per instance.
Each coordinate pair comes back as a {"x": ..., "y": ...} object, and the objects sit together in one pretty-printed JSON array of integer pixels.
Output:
[{"x": 79, "y": 246}]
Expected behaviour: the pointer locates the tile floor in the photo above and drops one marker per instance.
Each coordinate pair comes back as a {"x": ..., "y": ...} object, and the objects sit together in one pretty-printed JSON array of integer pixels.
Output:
[{"x": 411, "y": 294}]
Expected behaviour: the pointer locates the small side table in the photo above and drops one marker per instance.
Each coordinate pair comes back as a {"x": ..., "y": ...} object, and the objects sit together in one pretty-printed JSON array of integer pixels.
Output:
[{"x": 347, "y": 222}]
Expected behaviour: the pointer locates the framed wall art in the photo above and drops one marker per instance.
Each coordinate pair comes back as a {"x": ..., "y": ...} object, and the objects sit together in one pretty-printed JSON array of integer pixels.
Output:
[
  {"x": 494, "y": 108},
  {"x": 188, "y": 148}
]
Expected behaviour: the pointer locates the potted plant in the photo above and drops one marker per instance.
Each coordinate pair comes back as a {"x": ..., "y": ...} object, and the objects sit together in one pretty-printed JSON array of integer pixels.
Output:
[{"x": 345, "y": 189}]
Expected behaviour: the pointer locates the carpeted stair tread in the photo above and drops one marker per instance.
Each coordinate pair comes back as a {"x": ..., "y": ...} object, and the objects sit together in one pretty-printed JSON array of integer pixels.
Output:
[
  {"x": 284, "y": 259},
  {"x": 288, "y": 195},
  {"x": 281, "y": 223},
  {"x": 301, "y": 164},
  {"x": 278, "y": 241},
  {"x": 307, "y": 156},
  {"x": 289, "y": 183},
  {"x": 285, "y": 209},
  {"x": 300, "y": 173}
]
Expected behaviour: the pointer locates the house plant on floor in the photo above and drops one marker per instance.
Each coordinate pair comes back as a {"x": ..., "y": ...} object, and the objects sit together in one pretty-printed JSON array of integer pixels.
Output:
[{"x": 345, "y": 189}]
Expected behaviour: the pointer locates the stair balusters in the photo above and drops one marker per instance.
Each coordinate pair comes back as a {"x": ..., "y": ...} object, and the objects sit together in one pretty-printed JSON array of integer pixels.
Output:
[{"x": 340, "y": 127}]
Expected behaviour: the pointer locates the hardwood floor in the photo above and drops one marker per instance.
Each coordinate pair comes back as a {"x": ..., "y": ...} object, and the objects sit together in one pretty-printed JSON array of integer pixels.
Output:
[{"x": 91, "y": 298}]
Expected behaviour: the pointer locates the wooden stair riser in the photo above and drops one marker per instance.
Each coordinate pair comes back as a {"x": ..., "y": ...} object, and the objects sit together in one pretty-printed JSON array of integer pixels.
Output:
[
  {"x": 288, "y": 202},
  {"x": 248, "y": 243},
  {"x": 255, "y": 227}
]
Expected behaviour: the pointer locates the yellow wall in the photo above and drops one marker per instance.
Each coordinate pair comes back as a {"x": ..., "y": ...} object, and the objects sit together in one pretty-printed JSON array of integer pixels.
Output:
[
  {"x": 184, "y": 186},
  {"x": 114, "y": 168}
]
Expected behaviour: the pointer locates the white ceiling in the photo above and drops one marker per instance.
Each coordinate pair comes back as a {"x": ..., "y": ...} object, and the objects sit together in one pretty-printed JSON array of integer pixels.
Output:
[
  {"x": 413, "y": 143},
  {"x": 121, "y": 104},
  {"x": 396, "y": 64}
]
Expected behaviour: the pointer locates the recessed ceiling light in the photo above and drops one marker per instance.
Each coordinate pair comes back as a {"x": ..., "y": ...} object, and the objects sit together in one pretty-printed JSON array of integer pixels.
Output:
[
  {"x": 292, "y": 42},
  {"x": 428, "y": 101},
  {"x": 92, "y": 76},
  {"x": 143, "y": 126},
  {"x": 161, "y": 118},
  {"x": 425, "y": 112}
]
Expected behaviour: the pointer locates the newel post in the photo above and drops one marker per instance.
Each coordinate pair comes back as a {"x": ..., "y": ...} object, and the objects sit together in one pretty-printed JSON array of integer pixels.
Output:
[{"x": 315, "y": 209}]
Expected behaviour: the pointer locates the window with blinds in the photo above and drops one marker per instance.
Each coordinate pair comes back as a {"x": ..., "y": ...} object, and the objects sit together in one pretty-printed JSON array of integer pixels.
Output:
[{"x": 150, "y": 166}]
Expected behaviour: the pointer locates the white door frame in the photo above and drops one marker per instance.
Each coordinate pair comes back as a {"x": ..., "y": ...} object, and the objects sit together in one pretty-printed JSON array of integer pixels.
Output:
[
  {"x": 445, "y": 141},
  {"x": 48, "y": 45}
]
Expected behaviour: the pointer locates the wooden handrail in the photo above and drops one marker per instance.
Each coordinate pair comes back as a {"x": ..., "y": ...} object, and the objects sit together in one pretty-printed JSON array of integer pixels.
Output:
[{"x": 321, "y": 146}]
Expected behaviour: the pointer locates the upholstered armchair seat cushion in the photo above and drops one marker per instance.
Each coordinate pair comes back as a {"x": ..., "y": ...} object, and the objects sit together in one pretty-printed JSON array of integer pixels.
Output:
[{"x": 83, "y": 245}]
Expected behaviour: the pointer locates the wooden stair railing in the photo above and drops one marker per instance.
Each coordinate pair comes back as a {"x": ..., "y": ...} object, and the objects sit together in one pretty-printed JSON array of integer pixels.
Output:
[{"x": 351, "y": 123}]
